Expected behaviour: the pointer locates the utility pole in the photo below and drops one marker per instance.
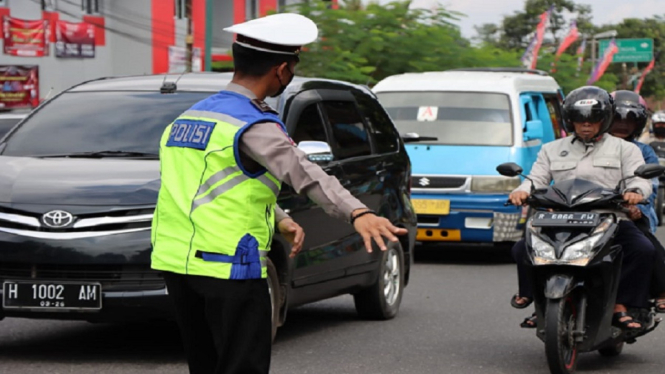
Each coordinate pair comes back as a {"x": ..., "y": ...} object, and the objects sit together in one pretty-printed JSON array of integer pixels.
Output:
[{"x": 189, "y": 39}]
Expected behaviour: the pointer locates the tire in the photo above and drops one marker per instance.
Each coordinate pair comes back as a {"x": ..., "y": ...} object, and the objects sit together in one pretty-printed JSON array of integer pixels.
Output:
[
  {"x": 560, "y": 349},
  {"x": 381, "y": 300},
  {"x": 660, "y": 199},
  {"x": 612, "y": 351},
  {"x": 275, "y": 296}
]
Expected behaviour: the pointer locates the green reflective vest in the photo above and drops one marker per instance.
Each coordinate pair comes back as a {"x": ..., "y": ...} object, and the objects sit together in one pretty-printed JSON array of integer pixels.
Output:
[{"x": 213, "y": 218}]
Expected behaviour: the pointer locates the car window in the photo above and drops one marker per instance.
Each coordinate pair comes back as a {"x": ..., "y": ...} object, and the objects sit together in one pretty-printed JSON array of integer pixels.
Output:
[
  {"x": 455, "y": 118},
  {"x": 99, "y": 121},
  {"x": 380, "y": 124},
  {"x": 349, "y": 135},
  {"x": 554, "y": 108},
  {"x": 310, "y": 126},
  {"x": 6, "y": 124}
]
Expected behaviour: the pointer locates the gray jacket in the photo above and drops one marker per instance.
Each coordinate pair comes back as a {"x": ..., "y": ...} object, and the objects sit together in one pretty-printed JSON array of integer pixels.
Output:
[{"x": 605, "y": 163}]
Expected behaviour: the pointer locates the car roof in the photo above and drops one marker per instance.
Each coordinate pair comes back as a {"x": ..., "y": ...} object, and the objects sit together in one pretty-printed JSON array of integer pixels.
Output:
[
  {"x": 195, "y": 82},
  {"x": 469, "y": 81}
]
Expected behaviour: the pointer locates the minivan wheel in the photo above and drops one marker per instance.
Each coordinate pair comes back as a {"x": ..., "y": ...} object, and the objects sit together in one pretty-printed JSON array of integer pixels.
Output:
[
  {"x": 274, "y": 290},
  {"x": 382, "y": 299}
]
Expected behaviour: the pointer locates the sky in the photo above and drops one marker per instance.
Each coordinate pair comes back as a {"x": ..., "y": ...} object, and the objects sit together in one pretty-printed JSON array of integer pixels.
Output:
[{"x": 491, "y": 11}]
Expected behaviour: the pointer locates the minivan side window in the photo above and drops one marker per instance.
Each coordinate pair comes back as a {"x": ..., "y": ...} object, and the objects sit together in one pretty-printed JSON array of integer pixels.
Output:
[
  {"x": 380, "y": 125},
  {"x": 350, "y": 137},
  {"x": 310, "y": 126}
]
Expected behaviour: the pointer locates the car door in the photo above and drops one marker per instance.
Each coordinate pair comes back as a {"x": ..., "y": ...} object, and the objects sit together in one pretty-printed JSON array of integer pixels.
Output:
[
  {"x": 363, "y": 170},
  {"x": 323, "y": 239}
]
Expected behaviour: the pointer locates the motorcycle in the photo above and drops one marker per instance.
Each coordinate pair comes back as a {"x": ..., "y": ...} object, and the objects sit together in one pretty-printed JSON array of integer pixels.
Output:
[{"x": 575, "y": 268}]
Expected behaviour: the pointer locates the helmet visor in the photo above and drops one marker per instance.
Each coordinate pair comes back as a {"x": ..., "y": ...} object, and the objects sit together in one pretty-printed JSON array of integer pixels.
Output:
[
  {"x": 586, "y": 115},
  {"x": 630, "y": 116}
]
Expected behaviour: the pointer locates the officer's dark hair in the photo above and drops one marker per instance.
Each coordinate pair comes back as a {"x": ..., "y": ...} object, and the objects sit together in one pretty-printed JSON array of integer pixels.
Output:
[{"x": 254, "y": 63}]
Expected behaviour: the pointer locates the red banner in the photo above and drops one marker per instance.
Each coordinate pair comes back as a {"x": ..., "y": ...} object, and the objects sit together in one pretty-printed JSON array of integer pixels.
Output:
[
  {"x": 19, "y": 86},
  {"x": 646, "y": 71},
  {"x": 25, "y": 38},
  {"x": 75, "y": 40}
]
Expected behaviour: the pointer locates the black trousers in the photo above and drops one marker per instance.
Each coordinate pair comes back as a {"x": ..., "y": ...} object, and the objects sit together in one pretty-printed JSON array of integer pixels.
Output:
[
  {"x": 639, "y": 256},
  {"x": 226, "y": 325},
  {"x": 658, "y": 276}
]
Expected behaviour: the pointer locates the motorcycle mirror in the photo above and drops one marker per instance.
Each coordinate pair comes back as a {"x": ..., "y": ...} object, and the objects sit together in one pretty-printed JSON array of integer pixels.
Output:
[
  {"x": 649, "y": 171},
  {"x": 509, "y": 169}
]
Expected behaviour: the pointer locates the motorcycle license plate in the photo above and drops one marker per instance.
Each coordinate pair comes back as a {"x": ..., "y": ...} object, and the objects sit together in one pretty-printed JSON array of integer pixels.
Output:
[{"x": 566, "y": 219}]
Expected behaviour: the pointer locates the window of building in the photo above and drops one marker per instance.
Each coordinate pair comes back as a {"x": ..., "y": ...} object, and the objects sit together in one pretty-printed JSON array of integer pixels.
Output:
[
  {"x": 90, "y": 6},
  {"x": 350, "y": 137},
  {"x": 180, "y": 11},
  {"x": 251, "y": 9}
]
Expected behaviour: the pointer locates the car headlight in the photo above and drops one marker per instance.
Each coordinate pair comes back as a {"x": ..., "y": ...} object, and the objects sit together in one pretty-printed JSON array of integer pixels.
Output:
[{"x": 494, "y": 184}]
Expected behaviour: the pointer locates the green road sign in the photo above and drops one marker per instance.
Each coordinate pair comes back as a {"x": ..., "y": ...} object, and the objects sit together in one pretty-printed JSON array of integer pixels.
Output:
[{"x": 630, "y": 50}]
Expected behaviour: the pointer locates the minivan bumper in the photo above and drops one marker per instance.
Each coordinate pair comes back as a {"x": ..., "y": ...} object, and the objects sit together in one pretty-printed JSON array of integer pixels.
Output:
[{"x": 472, "y": 218}]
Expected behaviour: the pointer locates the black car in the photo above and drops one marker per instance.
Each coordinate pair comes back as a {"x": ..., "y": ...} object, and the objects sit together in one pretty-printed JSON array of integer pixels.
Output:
[{"x": 79, "y": 180}]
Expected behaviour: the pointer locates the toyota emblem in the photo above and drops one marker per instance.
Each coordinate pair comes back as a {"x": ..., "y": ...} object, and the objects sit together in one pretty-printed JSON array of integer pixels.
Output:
[
  {"x": 424, "y": 182},
  {"x": 57, "y": 218}
]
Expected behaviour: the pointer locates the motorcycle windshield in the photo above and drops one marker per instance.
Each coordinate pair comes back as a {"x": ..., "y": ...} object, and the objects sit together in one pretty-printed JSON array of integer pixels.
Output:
[{"x": 574, "y": 192}]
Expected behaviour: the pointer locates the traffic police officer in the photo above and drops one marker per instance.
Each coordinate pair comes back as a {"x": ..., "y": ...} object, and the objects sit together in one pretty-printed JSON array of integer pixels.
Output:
[{"x": 222, "y": 163}]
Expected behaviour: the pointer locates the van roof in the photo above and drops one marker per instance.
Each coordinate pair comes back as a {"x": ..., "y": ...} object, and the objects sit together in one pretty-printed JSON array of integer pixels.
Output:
[{"x": 470, "y": 81}]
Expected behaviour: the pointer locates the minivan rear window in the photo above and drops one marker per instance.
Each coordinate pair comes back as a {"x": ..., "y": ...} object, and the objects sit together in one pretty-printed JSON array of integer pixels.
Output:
[
  {"x": 100, "y": 121},
  {"x": 455, "y": 118}
]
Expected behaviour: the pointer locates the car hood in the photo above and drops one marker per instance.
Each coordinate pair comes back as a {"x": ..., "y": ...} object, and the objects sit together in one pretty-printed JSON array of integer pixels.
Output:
[
  {"x": 69, "y": 181},
  {"x": 457, "y": 160}
]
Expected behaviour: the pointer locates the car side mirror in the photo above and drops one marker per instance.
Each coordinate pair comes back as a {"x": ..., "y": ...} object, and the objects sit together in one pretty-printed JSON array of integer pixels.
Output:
[
  {"x": 509, "y": 169},
  {"x": 649, "y": 171},
  {"x": 534, "y": 130},
  {"x": 317, "y": 152}
]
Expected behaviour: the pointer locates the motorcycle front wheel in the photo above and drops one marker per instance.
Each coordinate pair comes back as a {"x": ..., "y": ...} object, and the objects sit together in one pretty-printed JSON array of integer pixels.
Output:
[{"x": 560, "y": 346}]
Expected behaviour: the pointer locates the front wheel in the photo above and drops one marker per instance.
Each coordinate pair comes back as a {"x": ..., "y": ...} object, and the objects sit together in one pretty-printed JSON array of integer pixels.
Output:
[
  {"x": 382, "y": 299},
  {"x": 560, "y": 346}
]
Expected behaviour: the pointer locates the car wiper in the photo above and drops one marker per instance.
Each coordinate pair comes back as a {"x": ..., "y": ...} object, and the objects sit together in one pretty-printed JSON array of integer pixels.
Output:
[
  {"x": 413, "y": 137},
  {"x": 100, "y": 154}
]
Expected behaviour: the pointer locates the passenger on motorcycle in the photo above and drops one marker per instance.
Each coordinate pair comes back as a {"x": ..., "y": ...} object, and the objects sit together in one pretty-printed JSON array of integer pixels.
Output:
[
  {"x": 656, "y": 130},
  {"x": 598, "y": 157}
]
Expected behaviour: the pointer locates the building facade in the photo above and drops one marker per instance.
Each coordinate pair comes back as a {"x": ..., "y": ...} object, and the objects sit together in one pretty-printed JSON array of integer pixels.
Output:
[{"x": 132, "y": 37}]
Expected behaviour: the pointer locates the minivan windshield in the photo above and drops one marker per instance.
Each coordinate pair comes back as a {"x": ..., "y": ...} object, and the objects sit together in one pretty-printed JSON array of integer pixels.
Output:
[
  {"x": 93, "y": 122},
  {"x": 455, "y": 118}
]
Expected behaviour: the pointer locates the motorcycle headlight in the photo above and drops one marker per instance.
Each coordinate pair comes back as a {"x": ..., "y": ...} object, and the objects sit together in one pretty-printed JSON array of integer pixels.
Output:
[
  {"x": 542, "y": 248},
  {"x": 580, "y": 253},
  {"x": 661, "y": 161},
  {"x": 494, "y": 184}
]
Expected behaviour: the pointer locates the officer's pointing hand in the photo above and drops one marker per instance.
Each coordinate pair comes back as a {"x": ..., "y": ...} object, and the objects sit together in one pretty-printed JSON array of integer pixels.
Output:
[
  {"x": 370, "y": 226},
  {"x": 293, "y": 233}
]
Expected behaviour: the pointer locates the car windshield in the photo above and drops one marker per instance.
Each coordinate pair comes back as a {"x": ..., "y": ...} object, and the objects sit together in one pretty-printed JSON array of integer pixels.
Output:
[
  {"x": 455, "y": 118},
  {"x": 89, "y": 122}
]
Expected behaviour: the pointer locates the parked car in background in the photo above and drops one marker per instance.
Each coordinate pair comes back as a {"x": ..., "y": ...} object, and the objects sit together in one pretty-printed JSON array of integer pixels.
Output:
[
  {"x": 465, "y": 122},
  {"x": 9, "y": 119},
  {"x": 79, "y": 180}
]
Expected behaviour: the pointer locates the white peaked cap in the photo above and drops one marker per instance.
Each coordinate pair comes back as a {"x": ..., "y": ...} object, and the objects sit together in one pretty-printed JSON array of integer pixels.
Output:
[{"x": 281, "y": 33}]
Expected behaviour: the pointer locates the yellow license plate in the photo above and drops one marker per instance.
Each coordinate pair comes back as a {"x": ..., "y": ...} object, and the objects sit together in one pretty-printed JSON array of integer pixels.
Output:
[{"x": 430, "y": 206}]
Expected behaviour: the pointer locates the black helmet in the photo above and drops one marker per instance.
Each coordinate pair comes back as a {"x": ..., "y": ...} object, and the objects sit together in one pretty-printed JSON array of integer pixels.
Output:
[
  {"x": 630, "y": 107},
  {"x": 588, "y": 104}
]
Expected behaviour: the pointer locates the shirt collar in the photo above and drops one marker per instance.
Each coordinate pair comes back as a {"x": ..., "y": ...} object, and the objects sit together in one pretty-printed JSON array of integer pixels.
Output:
[{"x": 242, "y": 90}]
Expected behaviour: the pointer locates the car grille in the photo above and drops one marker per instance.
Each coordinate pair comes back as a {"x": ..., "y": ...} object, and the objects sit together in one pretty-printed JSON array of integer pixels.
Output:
[
  {"x": 111, "y": 277},
  {"x": 437, "y": 182},
  {"x": 83, "y": 225}
]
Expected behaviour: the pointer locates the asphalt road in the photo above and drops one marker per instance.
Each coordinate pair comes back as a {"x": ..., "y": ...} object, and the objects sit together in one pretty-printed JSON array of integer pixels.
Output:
[{"x": 455, "y": 318}]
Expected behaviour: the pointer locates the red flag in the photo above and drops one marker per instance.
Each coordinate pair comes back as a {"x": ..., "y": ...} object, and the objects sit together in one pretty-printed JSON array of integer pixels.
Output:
[
  {"x": 646, "y": 71},
  {"x": 530, "y": 57},
  {"x": 572, "y": 36},
  {"x": 604, "y": 62}
]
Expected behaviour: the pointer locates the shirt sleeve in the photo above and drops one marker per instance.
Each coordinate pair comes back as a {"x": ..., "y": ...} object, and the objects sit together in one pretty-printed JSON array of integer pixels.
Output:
[
  {"x": 267, "y": 144},
  {"x": 632, "y": 159},
  {"x": 541, "y": 175},
  {"x": 280, "y": 214}
]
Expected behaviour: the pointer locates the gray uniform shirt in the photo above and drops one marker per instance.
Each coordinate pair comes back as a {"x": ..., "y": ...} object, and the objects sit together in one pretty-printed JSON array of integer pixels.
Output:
[
  {"x": 266, "y": 145},
  {"x": 605, "y": 163}
]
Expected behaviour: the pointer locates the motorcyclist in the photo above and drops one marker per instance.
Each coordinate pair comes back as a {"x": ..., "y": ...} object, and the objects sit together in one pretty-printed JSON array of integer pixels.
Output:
[
  {"x": 598, "y": 157},
  {"x": 656, "y": 129}
]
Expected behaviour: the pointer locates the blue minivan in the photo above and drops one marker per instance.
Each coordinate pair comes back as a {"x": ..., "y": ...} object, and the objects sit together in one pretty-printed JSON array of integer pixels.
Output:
[{"x": 459, "y": 125}]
